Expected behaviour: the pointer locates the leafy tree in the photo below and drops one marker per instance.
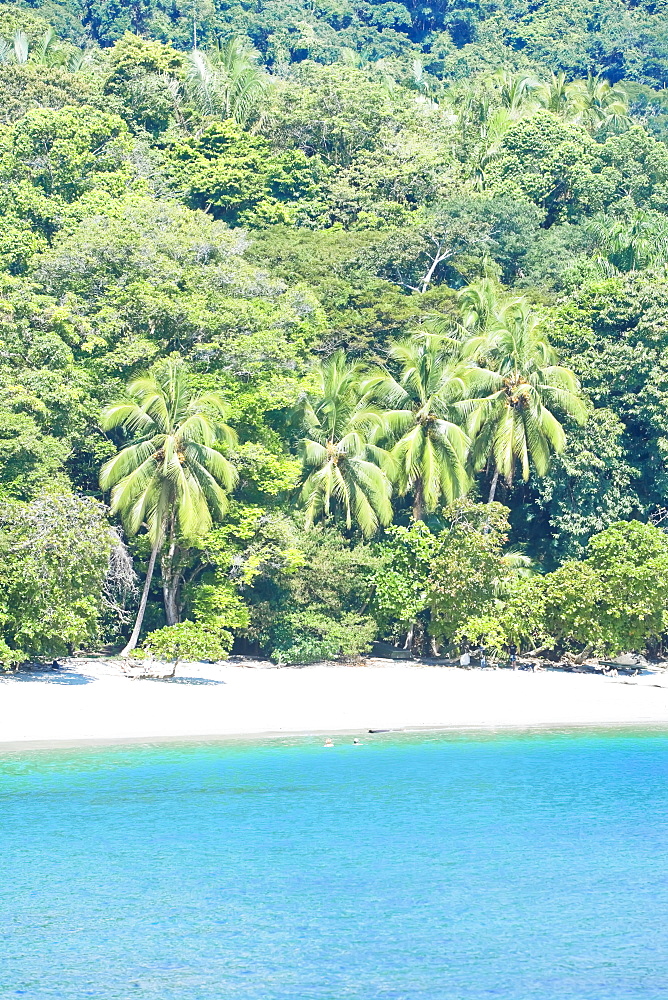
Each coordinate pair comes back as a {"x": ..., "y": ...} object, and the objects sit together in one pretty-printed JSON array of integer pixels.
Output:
[
  {"x": 30, "y": 22},
  {"x": 614, "y": 333},
  {"x": 615, "y": 599},
  {"x": 517, "y": 619},
  {"x": 133, "y": 55},
  {"x": 467, "y": 565},
  {"x": 309, "y": 635},
  {"x": 216, "y": 609},
  {"x": 401, "y": 584},
  {"x": 171, "y": 478},
  {"x": 27, "y": 85},
  {"x": 232, "y": 174},
  {"x": 66, "y": 152},
  {"x": 144, "y": 81},
  {"x": 335, "y": 111},
  {"x": 309, "y": 593},
  {"x": 553, "y": 163},
  {"x": 588, "y": 487},
  {"x": 29, "y": 458},
  {"x": 352, "y": 273},
  {"x": 54, "y": 559},
  {"x": 188, "y": 640}
]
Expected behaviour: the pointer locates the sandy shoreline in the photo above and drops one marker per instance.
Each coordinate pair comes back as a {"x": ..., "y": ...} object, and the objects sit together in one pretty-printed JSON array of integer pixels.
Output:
[{"x": 91, "y": 702}]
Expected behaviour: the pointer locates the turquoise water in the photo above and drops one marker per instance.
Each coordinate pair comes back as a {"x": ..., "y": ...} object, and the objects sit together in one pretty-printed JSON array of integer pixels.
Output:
[{"x": 444, "y": 868}]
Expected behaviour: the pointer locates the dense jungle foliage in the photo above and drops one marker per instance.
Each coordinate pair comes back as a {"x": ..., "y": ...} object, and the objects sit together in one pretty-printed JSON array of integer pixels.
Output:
[{"x": 326, "y": 324}]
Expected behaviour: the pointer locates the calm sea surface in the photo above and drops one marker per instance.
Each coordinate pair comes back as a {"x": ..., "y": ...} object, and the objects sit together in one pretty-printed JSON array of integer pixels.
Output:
[{"x": 444, "y": 868}]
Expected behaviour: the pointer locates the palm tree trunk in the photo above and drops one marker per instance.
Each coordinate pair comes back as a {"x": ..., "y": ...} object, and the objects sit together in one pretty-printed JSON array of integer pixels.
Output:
[
  {"x": 171, "y": 577},
  {"x": 492, "y": 489},
  {"x": 171, "y": 580},
  {"x": 170, "y": 590},
  {"x": 132, "y": 641},
  {"x": 418, "y": 502}
]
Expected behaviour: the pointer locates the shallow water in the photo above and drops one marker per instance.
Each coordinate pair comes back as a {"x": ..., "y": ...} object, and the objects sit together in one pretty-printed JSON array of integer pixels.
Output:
[{"x": 444, "y": 868}]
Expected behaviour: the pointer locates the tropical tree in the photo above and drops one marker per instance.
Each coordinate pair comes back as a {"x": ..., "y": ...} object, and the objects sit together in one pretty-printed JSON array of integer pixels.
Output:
[
  {"x": 55, "y": 552},
  {"x": 630, "y": 244},
  {"x": 513, "y": 416},
  {"x": 479, "y": 304},
  {"x": 516, "y": 91},
  {"x": 227, "y": 82},
  {"x": 554, "y": 95},
  {"x": 171, "y": 479},
  {"x": 344, "y": 468},
  {"x": 423, "y": 416},
  {"x": 485, "y": 126},
  {"x": 596, "y": 103},
  {"x": 21, "y": 47},
  {"x": 47, "y": 51}
]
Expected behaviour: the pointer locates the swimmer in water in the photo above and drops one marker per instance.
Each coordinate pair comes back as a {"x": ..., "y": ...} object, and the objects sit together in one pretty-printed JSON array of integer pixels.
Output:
[
  {"x": 357, "y": 742},
  {"x": 328, "y": 743}
]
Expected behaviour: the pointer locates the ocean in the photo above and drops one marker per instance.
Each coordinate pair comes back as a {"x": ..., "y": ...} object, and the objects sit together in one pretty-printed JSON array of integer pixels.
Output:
[{"x": 528, "y": 866}]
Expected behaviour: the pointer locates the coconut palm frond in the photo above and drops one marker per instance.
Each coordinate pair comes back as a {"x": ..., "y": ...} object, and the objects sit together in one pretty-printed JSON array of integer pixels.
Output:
[
  {"x": 21, "y": 46},
  {"x": 172, "y": 472},
  {"x": 345, "y": 469},
  {"x": 227, "y": 81}
]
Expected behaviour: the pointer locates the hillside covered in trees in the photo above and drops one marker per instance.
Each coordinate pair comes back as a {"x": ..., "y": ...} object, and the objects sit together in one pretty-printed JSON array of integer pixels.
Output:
[{"x": 330, "y": 323}]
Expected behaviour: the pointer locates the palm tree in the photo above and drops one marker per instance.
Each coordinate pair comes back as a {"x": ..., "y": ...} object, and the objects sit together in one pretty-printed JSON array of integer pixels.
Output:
[
  {"x": 80, "y": 60},
  {"x": 171, "y": 479},
  {"x": 48, "y": 51},
  {"x": 597, "y": 104},
  {"x": 479, "y": 304},
  {"x": 226, "y": 81},
  {"x": 513, "y": 418},
  {"x": 640, "y": 240},
  {"x": 555, "y": 94},
  {"x": 21, "y": 47},
  {"x": 484, "y": 127},
  {"x": 344, "y": 469},
  {"x": 516, "y": 91},
  {"x": 423, "y": 416}
]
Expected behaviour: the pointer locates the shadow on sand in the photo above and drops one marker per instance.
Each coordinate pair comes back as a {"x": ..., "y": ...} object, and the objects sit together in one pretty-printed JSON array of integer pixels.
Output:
[
  {"x": 66, "y": 677},
  {"x": 190, "y": 681}
]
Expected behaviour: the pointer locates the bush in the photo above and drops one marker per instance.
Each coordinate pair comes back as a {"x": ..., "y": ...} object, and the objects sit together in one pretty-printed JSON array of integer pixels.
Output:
[
  {"x": 615, "y": 600},
  {"x": 220, "y": 607},
  {"x": 189, "y": 641},
  {"x": 10, "y": 657},
  {"x": 517, "y": 619},
  {"x": 467, "y": 567},
  {"x": 308, "y": 636}
]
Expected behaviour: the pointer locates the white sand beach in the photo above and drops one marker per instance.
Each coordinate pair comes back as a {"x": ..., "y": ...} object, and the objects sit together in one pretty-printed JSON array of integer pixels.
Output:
[{"x": 93, "y": 701}]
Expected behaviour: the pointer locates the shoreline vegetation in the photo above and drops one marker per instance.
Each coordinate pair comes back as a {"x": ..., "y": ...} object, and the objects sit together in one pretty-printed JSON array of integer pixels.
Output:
[
  {"x": 93, "y": 700},
  {"x": 312, "y": 349}
]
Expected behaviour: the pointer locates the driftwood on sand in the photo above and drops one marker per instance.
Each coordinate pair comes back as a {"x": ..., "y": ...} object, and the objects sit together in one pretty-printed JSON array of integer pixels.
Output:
[{"x": 149, "y": 669}]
